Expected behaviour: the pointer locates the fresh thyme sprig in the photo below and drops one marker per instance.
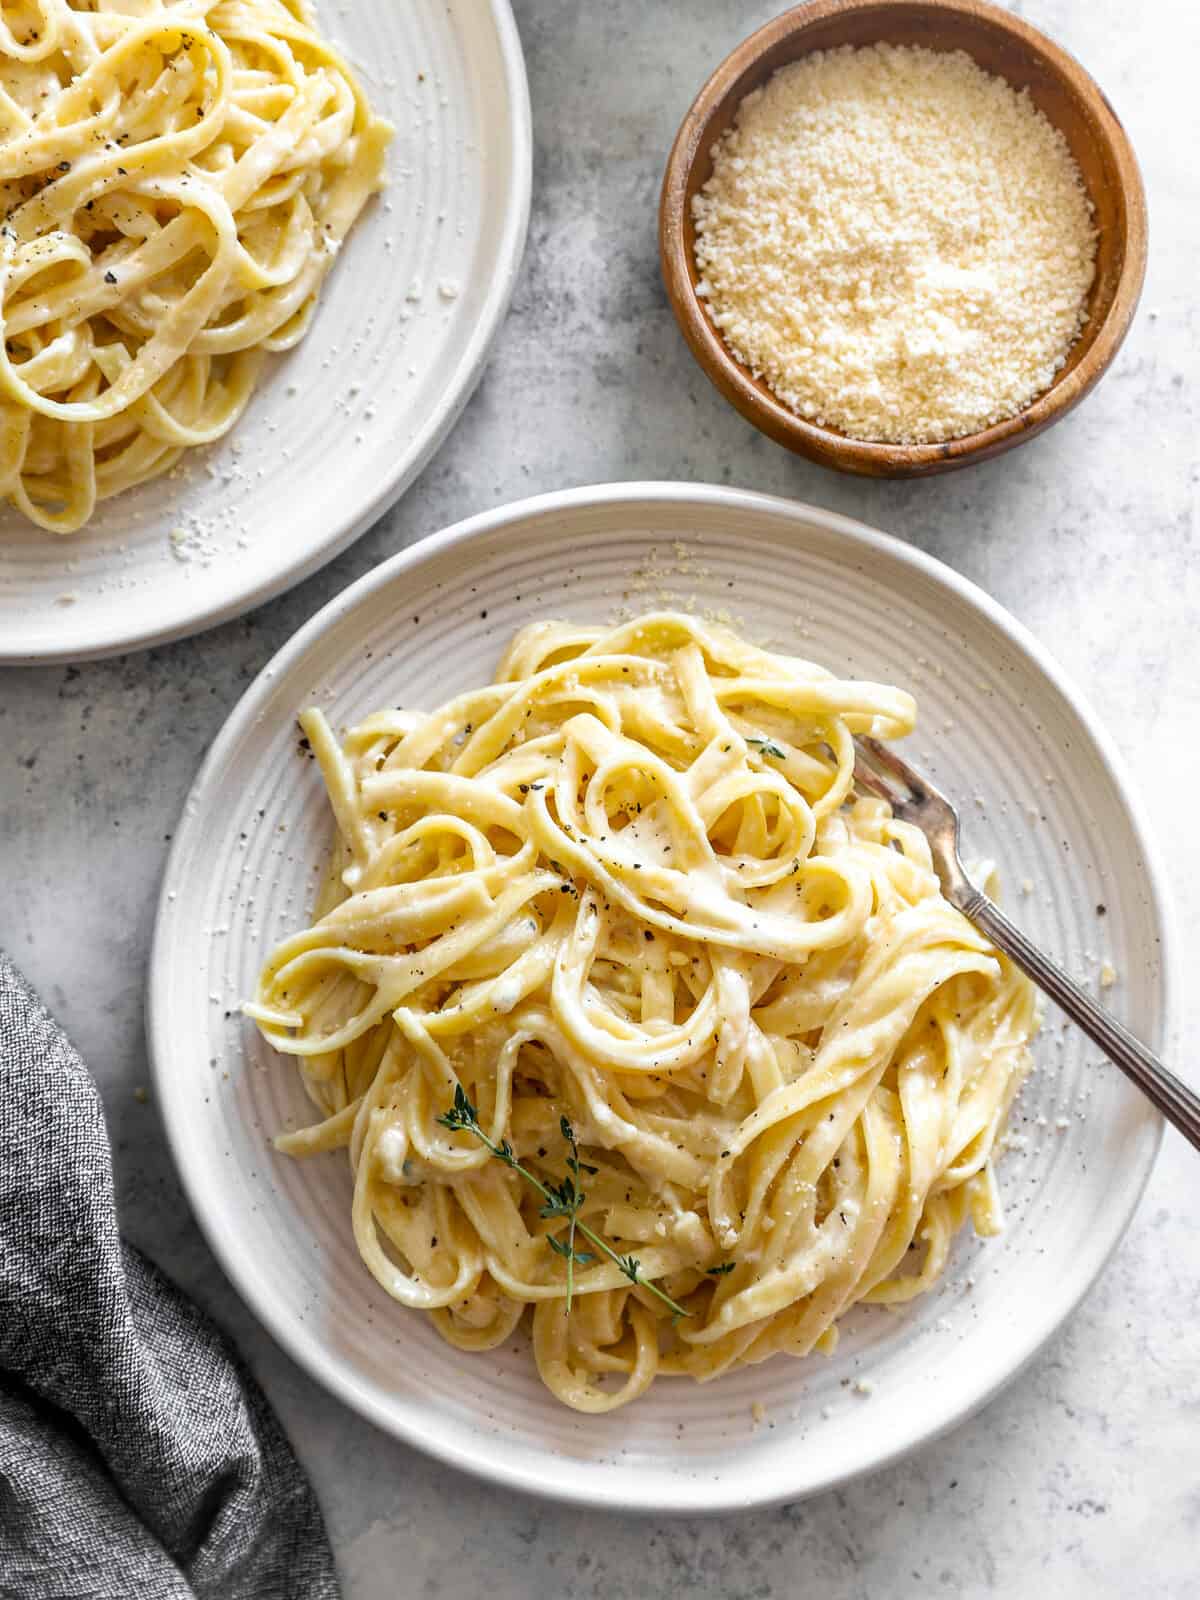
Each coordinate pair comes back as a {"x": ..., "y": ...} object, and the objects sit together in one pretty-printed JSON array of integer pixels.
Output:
[
  {"x": 768, "y": 749},
  {"x": 562, "y": 1199}
]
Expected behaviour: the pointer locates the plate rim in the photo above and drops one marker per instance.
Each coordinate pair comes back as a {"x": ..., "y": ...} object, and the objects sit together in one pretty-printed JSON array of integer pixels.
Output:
[
  {"x": 432, "y": 435},
  {"x": 539, "y": 1479}
]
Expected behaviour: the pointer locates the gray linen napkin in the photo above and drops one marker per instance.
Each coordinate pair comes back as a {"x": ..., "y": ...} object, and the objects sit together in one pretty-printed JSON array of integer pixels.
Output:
[{"x": 138, "y": 1458}]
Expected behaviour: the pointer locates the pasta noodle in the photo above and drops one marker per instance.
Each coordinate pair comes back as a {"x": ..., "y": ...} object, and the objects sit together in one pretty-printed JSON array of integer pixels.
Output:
[
  {"x": 629, "y": 884},
  {"x": 176, "y": 180}
]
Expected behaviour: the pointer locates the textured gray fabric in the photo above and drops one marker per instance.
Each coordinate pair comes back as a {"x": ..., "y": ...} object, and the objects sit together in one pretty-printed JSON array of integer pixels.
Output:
[{"x": 138, "y": 1458}]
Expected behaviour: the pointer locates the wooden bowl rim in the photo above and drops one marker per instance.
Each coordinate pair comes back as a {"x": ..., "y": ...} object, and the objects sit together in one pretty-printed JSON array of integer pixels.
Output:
[{"x": 826, "y": 445}]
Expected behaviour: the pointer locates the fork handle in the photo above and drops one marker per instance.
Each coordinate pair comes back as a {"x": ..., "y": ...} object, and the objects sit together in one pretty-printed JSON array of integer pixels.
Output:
[{"x": 1179, "y": 1104}]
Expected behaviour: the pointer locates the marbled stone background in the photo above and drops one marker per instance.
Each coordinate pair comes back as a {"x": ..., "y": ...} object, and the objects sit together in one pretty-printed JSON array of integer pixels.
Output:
[{"x": 1084, "y": 1478}]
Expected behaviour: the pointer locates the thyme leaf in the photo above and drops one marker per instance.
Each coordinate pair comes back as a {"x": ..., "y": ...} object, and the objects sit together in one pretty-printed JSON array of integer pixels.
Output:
[{"x": 568, "y": 1192}]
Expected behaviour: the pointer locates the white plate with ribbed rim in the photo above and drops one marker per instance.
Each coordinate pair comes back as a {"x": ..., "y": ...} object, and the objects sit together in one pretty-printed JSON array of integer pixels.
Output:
[
  {"x": 1043, "y": 794},
  {"x": 398, "y": 344}
]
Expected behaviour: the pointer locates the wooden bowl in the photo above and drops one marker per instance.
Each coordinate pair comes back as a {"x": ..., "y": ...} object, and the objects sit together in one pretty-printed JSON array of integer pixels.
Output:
[{"x": 1001, "y": 43}]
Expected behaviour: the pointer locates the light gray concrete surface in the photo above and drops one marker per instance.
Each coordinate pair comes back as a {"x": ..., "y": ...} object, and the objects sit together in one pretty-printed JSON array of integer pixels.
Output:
[{"x": 1083, "y": 1479}]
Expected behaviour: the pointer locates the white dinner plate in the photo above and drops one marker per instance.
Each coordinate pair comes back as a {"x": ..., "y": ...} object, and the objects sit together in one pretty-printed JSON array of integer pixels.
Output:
[
  {"x": 1042, "y": 794},
  {"x": 341, "y": 425}
]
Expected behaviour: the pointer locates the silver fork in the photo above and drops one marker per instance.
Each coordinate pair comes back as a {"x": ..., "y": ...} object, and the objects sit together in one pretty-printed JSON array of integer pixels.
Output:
[{"x": 914, "y": 799}]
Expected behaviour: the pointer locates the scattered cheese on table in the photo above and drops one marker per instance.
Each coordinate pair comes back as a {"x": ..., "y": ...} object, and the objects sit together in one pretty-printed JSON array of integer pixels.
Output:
[{"x": 897, "y": 242}]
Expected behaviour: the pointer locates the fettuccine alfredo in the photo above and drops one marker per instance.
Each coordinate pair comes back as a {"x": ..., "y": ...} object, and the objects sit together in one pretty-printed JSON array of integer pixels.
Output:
[
  {"x": 176, "y": 178},
  {"x": 625, "y": 904}
]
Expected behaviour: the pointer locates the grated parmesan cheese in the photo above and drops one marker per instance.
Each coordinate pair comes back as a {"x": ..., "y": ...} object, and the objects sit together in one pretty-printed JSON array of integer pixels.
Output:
[{"x": 898, "y": 242}]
